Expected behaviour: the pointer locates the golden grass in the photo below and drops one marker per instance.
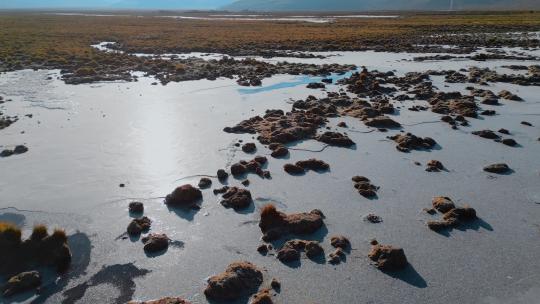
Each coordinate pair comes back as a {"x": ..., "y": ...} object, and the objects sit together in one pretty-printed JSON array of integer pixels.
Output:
[
  {"x": 59, "y": 235},
  {"x": 39, "y": 232},
  {"x": 55, "y": 39},
  {"x": 9, "y": 233}
]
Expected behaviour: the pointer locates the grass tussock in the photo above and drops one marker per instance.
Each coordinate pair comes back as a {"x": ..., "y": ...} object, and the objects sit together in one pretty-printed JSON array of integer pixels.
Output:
[
  {"x": 40, "y": 249},
  {"x": 268, "y": 210},
  {"x": 59, "y": 235},
  {"x": 9, "y": 234},
  {"x": 39, "y": 233}
]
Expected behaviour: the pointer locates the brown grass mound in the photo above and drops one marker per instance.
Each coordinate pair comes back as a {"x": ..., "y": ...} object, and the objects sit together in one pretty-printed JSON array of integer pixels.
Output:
[
  {"x": 167, "y": 300},
  {"x": 236, "y": 198},
  {"x": 239, "y": 279},
  {"x": 262, "y": 297},
  {"x": 291, "y": 250},
  {"x": 388, "y": 258},
  {"x": 184, "y": 196},
  {"x": 40, "y": 249},
  {"x": 275, "y": 224}
]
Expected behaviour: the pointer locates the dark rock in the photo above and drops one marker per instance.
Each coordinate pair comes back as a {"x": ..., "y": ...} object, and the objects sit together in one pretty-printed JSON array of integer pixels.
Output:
[
  {"x": 276, "y": 285},
  {"x": 372, "y": 218},
  {"x": 20, "y": 149},
  {"x": 205, "y": 183},
  {"x": 486, "y": 134},
  {"x": 504, "y": 131},
  {"x": 497, "y": 168},
  {"x": 222, "y": 174},
  {"x": 6, "y": 153},
  {"x": 509, "y": 142},
  {"x": 526, "y": 123},
  {"x": 263, "y": 249},
  {"x": 136, "y": 207},
  {"x": 316, "y": 85}
]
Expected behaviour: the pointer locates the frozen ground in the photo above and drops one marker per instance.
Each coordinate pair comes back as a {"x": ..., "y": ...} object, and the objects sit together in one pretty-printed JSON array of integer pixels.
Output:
[{"x": 85, "y": 140}]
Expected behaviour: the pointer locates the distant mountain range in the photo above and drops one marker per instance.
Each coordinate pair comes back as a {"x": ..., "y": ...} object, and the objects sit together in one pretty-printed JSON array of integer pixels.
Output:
[
  {"x": 277, "y": 5},
  {"x": 115, "y": 4},
  {"x": 370, "y": 5}
]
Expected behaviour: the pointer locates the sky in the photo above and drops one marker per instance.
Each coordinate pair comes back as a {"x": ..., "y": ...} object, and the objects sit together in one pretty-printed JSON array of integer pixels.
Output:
[{"x": 164, "y": 4}]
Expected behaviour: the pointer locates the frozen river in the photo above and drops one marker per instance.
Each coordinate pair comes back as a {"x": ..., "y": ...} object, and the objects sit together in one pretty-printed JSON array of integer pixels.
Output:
[{"x": 86, "y": 140}]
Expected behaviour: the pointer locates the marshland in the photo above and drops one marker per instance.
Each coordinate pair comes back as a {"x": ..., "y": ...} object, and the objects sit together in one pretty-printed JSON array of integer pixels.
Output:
[{"x": 269, "y": 157}]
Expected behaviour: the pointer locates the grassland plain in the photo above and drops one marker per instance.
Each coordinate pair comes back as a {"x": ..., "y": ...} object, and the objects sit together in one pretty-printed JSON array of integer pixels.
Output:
[{"x": 30, "y": 37}]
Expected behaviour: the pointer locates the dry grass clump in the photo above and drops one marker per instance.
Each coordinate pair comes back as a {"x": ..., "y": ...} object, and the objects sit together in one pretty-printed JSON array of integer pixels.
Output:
[
  {"x": 85, "y": 71},
  {"x": 40, "y": 249},
  {"x": 270, "y": 217},
  {"x": 9, "y": 234},
  {"x": 39, "y": 233},
  {"x": 59, "y": 235}
]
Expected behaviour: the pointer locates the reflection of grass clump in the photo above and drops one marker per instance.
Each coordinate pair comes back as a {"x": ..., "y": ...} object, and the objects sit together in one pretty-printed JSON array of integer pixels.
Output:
[{"x": 40, "y": 249}]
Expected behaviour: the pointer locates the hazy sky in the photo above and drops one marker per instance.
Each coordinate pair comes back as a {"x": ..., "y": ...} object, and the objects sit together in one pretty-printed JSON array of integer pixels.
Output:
[{"x": 189, "y": 4}]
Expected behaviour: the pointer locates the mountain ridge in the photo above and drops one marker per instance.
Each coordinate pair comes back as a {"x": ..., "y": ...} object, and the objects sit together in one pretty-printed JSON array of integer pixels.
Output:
[{"x": 378, "y": 5}]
